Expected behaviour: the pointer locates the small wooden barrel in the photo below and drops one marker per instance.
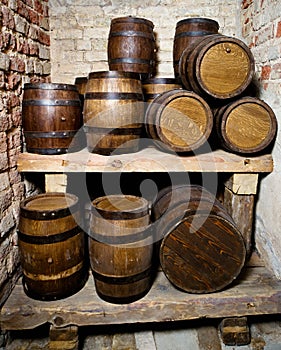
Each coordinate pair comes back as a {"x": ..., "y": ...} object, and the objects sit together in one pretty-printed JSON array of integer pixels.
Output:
[
  {"x": 179, "y": 120},
  {"x": 113, "y": 112},
  {"x": 202, "y": 251},
  {"x": 247, "y": 125},
  {"x": 131, "y": 46},
  {"x": 187, "y": 33},
  {"x": 121, "y": 247},
  {"x": 155, "y": 86},
  {"x": 217, "y": 66},
  {"x": 51, "y": 246},
  {"x": 52, "y": 115}
]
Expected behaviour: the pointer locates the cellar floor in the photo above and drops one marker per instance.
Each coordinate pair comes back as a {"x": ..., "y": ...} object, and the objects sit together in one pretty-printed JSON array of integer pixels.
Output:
[{"x": 187, "y": 335}]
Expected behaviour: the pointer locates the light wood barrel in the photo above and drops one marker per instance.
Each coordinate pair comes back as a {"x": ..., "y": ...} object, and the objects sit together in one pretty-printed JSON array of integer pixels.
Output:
[
  {"x": 155, "y": 86},
  {"x": 113, "y": 112},
  {"x": 179, "y": 120},
  {"x": 187, "y": 33},
  {"x": 51, "y": 246},
  {"x": 137, "y": 35},
  {"x": 247, "y": 125},
  {"x": 201, "y": 250},
  {"x": 217, "y": 66},
  {"x": 121, "y": 247},
  {"x": 52, "y": 115}
]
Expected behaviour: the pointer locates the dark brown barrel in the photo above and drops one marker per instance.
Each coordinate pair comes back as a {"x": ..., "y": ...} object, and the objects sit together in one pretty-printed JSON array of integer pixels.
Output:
[
  {"x": 202, "y": 251},
  {"x": 51, "y": 246},
  {"x": 113, "y": 112},
  {"x": 52, "y": 115},
  {"x": 179, "y": 120},
  {"x": 131, "y": 46},
  {"x": 217, "y": 66},
  {"x": 121, "y": 247},
  {"x": 187, "y": 33},
  {"x": 155, "y": 86},
  {"x": 81, "y": 83},
  {"x": 247, "y": 125}
]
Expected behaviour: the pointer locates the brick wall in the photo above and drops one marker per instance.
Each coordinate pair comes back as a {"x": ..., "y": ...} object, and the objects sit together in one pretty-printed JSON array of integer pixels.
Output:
[
  {"x": 261, "y": 24},
  {"x": 24, "y": 57},
  {"x": 80, "y": 30}
]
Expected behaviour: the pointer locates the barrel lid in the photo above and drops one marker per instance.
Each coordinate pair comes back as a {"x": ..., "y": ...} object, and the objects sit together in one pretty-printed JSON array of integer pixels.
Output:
[
  {"x": 113, "y": 74},
  {"x": 122, "y": 207},
  {"x": 132, "y": 19},
  {"x": 198, "y": 20},
  {"x": 50, "y": 86}
]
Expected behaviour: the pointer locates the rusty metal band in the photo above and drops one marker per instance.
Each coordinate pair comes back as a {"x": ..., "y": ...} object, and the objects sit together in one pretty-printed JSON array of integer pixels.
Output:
[
  {"x": 116, "y": 240},
  {"x": 112, "y": 131},
  {"x": 55, "y": 102},
  {"x": 130, "y": 60},
  {"x": 132, "y": 33},
  {"x": 122, "y": 280},
  {"x": 50, "y": 134},
  {"x": 113, "y": 96}
]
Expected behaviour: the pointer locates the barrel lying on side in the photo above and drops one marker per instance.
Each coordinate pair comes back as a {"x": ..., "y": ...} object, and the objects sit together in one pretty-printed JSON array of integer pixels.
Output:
[
  {"x": 51, "y": 246},
  {"x": 120, "y": 247},
  {"x": 187, "y": 33},
  {"x": 131, "y": 46},
  {"x": 179, "y": 120},
  {"x": 217, "y": 66},
  {"x": 113, "y": 112},
  {"x": 246, "y": 125},
  {"x": 52, "y": 115},
  {"x": 201, "y": 250}
]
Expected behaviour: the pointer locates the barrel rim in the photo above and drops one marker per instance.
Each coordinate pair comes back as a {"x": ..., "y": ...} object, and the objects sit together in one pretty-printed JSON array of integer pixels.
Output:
[
  {"x": 132, "y": 19},
  {"x": 52, "y": 213},
  {"x": 113, "y": 74},
  {"x": 198, "y": 20},
  {"x": 51, "y": 86}
]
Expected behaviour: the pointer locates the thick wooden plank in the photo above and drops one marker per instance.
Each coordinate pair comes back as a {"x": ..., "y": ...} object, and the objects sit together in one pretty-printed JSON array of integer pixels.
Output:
[
  {"x": 256, "y": 293},
  {"x": 149, "y": 159}
]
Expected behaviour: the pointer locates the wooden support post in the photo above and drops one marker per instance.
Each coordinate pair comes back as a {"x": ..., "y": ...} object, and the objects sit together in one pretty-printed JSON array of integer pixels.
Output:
[
  {"x": 239, "y": 200},
  {"x": 65, "y": 338},
  {"x": 55, "y": 182},
  {"x": 235, "y": 331}
]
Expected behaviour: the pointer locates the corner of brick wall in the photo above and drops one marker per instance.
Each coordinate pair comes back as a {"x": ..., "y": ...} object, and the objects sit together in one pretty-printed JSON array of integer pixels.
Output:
[{"x": 24, "y": 57}]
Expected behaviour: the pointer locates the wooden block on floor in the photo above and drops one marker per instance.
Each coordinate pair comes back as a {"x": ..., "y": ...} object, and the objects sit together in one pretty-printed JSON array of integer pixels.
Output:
[{"x": 235, "y": 331}]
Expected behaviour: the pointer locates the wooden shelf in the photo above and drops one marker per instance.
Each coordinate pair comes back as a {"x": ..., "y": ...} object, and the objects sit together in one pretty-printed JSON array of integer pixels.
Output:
[
  {"x": 149, "y": 159},
  {"x": 256, "y": 292}
]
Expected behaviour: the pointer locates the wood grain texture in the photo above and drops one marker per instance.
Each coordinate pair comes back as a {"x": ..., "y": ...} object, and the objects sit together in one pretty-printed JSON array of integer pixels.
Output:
[
  {"x": 149, "y": 159},
  {"x": 154, "y": 86},
  {"x": 179, "y": 120},
  {"x": 256, "y": 292}
]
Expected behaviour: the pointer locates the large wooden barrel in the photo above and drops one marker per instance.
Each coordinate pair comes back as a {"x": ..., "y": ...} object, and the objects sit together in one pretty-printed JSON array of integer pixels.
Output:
[
  {"x": 187, "y": 33},
  {"x": 52, "y": 115},
  {"x": 121, "y": 247},
  {"x": 202, "y": 250},
  {"x": 153, "y": 87},
  {"x": 247, "y": 125},
  {"x": 113, "y": 112},
  {"x": 179, "y": 120},
  {"x": 51, "y": 246},
  {"x": 131, "y": 46},
  {"x": 217, "y": 66}
]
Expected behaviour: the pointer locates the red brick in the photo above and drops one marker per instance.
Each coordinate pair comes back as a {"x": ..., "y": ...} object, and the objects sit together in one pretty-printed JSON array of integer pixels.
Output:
[
  {"x": 16, "y": 118},
  {"x": 7, "y": 18},
  {"x": 13, "y": 100},
  {"x": 29, "y": 3},
  {"x": 23, "y": 47},
  {"x": 13, "y": 81},
  {"x": 38, "y": 7},
  {"x": 17, "y": 64},
  {"x": 278, "y": 32},
  {"x": 4, "y": 41},
  {"x": 33, "y": 49},
  {"x": 2, "y": 80},
  {"x": 22, "y": 9},
  {"x": 43, "y": 38},
  {"x": 265, "y": 72},
  {"x": 246, "y": 3},
  {"x": 33, "y": 17}
]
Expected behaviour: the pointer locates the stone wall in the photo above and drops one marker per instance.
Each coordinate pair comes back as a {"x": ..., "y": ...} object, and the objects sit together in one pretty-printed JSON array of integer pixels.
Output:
[
  {"x": 261, "y": 20},
  {"x": 80, "y": 29},
  {"x": 24, "y": 57}
]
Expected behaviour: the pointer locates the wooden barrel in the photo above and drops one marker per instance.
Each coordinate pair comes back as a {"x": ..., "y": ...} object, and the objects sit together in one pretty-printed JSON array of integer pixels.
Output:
[
  {"x": 217, "y": 66},
  {"x": 131, "y": 46},
  {"x": 51, "y": 246},
  {"x": 120, "y": 247},
  {"x": 81, "y": 83},
  {"x": 187, "y": 33},
  {"x": 113, "y": 112},
  {"x": 246, "y": 125},
  {"x": 153, "y": 87},
  {"x": 52, "y": 115},
  {"x": 202, "y": 250},
  {"x": 179, "y": 120}
]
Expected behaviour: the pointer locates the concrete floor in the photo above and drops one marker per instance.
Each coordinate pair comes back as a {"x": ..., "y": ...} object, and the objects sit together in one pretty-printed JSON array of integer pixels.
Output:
[{"x": 188, "y": 335}]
